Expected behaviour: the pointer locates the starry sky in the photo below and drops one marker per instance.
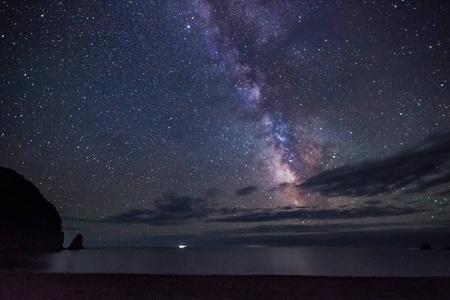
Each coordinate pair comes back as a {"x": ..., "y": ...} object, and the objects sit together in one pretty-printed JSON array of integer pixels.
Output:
[{"x": 232, "y": 122}]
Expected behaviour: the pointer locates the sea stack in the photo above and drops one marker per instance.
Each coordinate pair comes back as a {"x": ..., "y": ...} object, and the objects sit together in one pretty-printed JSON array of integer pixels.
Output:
[{"x": 77, "y": 243}]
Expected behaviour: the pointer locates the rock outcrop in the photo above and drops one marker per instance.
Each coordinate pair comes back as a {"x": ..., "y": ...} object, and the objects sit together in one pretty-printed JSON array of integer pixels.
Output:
[
  {"x": 77, "y": 243},
  {"x": 28, "y": 222}
]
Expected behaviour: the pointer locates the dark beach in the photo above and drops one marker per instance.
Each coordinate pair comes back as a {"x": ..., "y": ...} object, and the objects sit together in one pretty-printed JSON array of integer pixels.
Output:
[{"x": 130, "y": 286}]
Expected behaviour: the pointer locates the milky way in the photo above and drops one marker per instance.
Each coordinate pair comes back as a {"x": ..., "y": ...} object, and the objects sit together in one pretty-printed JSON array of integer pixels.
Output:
[{"x": 221, "y": 25}]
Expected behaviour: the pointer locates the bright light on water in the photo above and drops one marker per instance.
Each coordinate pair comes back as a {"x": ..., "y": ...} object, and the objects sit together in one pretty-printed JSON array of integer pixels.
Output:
[
  {"x": 182, "y": 246},
  {"x": 314, "y": 261}
]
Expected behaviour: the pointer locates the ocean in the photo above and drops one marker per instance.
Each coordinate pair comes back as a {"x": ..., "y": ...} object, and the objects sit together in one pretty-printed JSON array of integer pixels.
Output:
[{"x": 244, "y": 261}]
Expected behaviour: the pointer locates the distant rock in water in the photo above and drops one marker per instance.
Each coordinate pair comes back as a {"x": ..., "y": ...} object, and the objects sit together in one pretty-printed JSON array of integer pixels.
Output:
[
  {"x": 28, "y": 222},
  {"x": 425, "y": 247},
  {"x": 77, "y": 243}
]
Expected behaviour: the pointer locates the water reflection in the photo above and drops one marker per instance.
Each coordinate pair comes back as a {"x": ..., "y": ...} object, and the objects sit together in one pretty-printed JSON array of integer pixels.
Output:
[
  {"x": 241, "y": 261},
  {"x": 23, "y": 262}
]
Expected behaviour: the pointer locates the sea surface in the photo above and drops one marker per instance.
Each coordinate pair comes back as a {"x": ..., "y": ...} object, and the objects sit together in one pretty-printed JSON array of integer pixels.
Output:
[{"x": 244, "y": 261}]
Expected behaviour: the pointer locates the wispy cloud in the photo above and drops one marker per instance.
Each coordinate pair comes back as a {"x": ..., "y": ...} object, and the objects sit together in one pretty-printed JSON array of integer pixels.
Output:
[
  {"x": 332, "y": 227},
  {"x": 280, "y": 214},
  {"x": 280, "y": 187},
  {"x": 246, "y": 191},
  {"x": 417, "y": 169},
  {"x": 169, "y": 210},
  {"x": 174, "y": 210}
]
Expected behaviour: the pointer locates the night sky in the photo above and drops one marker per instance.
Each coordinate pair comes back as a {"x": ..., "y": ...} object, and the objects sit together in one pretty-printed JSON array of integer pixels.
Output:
[{"x": 231, "y": 122}]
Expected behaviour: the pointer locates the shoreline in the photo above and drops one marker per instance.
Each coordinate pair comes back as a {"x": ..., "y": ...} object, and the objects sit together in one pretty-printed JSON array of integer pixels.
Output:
[{"x": 141, "y": 286}]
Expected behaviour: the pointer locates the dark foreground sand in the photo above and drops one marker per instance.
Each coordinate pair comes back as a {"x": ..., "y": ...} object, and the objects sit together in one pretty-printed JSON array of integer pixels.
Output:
[{"x": 122, "y": 286}]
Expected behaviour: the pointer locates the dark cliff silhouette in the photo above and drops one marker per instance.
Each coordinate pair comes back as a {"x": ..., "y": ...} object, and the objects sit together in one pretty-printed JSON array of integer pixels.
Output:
[
  {"x": 28, "y": 222},
  {"x": 77, "y": 243}
]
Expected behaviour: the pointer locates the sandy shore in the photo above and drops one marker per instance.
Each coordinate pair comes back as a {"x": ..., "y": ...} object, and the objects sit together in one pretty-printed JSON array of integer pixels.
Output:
[{"x": 123, "y": 286}]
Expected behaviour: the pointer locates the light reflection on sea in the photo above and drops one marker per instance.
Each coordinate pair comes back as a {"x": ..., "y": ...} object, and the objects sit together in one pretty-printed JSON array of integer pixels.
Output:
[{"x": 245, "y": 261}]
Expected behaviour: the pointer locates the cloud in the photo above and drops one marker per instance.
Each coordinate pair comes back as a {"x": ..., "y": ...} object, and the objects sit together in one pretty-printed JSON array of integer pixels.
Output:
[
  {"x": 308, "y": 228},
  {"x": 169, "y": 210},
  {"x": 416, "y": 170},
  {"x": 282, "y": 186},
  {"x": 246, "y": 191},
  {"x": 175, "y": 210},
  {"x": 266, "y": 215},
  {"x": 372, "y": 202},
  {"x": 443, "y": 193}
]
